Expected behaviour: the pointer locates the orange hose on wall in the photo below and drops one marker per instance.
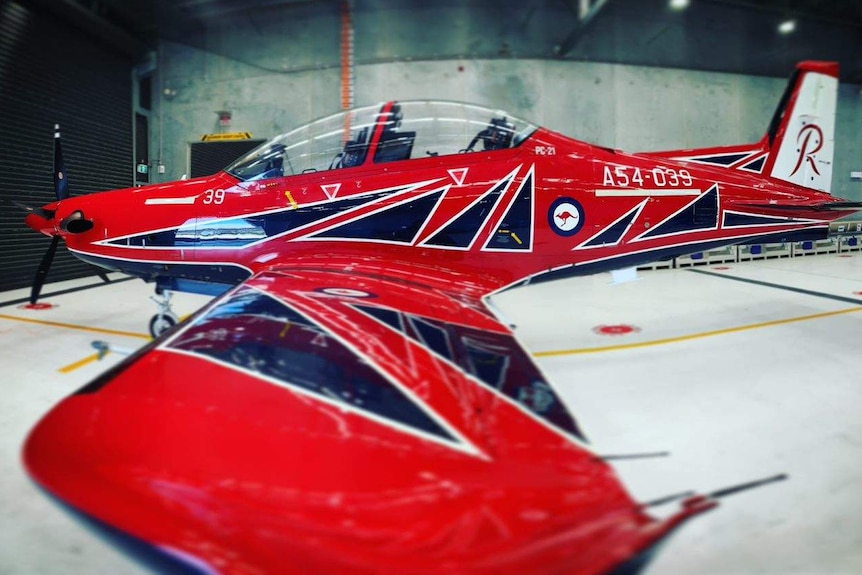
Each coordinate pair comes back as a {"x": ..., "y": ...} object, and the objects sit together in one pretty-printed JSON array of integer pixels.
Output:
[{"x": 347, "y": 74}]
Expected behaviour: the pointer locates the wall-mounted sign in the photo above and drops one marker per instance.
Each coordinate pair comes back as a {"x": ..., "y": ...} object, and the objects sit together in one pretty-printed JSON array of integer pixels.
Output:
[{"x": 226, "y": 137}]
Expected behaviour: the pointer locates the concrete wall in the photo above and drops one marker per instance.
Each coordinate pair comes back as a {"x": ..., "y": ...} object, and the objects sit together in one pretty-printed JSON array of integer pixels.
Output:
[{"x": 628, "y": 107}]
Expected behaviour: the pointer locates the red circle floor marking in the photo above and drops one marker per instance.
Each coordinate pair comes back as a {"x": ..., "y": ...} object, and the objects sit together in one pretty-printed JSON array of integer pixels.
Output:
[
  {"x": 37, "y": 306},
  {"x": 845, "y": 256},
  {"x": 721, "y": 268},
  {"x": 857, "y": 293},
  {"x": 619, "y": 329}
]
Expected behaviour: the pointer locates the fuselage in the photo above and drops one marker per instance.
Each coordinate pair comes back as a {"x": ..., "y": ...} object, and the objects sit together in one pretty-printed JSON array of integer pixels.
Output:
[{"x": 548, "y": 207}]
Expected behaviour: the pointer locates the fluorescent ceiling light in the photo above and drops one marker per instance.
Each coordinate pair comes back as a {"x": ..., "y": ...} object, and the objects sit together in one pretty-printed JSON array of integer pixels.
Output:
[
  {"x": 787, "y": 26},
  {"x": 678, "y": 4}
]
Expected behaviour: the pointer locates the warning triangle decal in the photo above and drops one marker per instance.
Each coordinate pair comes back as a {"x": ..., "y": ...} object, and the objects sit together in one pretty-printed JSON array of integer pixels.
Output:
[
  {"x": 331, "y": 190},
  {"x": 459, "y": 175}
]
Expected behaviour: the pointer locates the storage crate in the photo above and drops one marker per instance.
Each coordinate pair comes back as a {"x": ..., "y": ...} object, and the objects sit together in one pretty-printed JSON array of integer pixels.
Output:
[
  {"x": 850, "y": 243},
  {"x": 716, "y": 256},
  {"x": 764, "y": 251},
  {"x": 811, "y": 247}
]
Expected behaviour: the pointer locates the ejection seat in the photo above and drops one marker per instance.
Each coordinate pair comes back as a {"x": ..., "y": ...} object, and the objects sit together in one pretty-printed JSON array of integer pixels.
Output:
[
  {"x": 496, "y": 136},
  {"x": 394, "y": 145},
  {"x": 354, "y": 152}
]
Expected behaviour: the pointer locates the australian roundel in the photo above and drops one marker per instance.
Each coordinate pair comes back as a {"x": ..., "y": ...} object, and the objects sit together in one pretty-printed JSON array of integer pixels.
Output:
[{"x": 566, "y": 216}]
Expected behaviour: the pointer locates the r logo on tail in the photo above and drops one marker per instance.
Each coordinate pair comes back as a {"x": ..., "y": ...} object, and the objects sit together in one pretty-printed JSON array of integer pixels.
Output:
[
  {"x": 810, "y": 135},
  {"x": 801, "y": 137}
]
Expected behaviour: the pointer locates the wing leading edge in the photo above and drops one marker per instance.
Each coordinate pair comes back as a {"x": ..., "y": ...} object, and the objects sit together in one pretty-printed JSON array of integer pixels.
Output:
[{"x": 312, "y": 420}]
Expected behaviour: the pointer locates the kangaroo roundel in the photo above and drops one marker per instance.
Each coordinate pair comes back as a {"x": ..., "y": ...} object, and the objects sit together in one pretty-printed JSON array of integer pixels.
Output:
[{"x": 566, "y": 216}]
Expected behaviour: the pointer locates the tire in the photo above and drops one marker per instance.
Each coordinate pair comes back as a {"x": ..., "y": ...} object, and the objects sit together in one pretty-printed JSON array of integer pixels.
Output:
[{"x": 160, "y": 323}]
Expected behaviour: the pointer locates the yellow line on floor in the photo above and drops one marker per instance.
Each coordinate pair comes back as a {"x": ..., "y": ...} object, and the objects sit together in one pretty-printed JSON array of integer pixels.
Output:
[
  {"x": 73, "y": 326},
  {"x": 79, "y": 363},
  {"x": 555, "y": 353}
]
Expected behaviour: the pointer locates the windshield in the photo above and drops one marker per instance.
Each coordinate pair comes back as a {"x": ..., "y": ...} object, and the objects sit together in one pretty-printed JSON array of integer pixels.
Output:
[{"x": 393, "y": 131}]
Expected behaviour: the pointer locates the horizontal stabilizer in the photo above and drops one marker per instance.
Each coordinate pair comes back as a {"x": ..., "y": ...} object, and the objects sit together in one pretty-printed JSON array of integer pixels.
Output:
[
  {"x": 844, "y": 206},
  {"x": 841, "y": 206}
]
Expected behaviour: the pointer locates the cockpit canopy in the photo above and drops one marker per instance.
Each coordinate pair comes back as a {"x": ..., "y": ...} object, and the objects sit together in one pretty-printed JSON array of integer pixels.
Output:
[{"x": 378, "y": 134}]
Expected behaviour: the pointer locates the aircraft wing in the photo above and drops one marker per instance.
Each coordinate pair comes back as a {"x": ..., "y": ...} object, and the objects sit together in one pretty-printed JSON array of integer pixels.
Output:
[{"x": 317, "y": 421}]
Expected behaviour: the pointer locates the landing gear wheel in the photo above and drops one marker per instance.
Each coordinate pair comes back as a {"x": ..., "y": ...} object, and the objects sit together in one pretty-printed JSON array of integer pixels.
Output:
[
  {"x": 165, "y": 318},
  {"x": 162, "y": 322}
]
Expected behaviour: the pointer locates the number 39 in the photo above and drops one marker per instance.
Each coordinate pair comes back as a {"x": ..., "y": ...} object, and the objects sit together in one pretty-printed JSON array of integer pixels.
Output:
[{"x": 213, "y": 196}]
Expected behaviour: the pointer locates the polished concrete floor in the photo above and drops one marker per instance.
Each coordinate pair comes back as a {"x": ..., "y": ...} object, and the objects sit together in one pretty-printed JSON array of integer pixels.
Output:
[{"x": 740, "y": 371}]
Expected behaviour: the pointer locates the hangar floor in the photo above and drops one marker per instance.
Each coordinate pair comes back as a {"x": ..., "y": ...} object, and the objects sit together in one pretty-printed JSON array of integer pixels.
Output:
[{"x": 738, "y": 380}]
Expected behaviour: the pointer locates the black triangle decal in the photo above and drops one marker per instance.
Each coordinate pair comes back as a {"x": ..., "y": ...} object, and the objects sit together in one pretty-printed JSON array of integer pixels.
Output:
[
  {"x": 701, "y": 214},
  {"x": 723, "y": 159},
  {"x": 755, "y": 166},
  {"x": 494, "y": 359},
  {"x": 515, "y": 231},
  {"x": 285, "y": 346},
  {"x": 732, "y": 220},
  {"x": 614, "y": 233},
  {"x": 386, "y": 316},
  {"x": 399, "y": 223},
  {"x": 461, "y": 232}
]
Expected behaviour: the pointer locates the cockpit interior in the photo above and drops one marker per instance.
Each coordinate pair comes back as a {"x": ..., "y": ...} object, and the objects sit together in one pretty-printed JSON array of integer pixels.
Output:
[{"x": 391, "y": 132}]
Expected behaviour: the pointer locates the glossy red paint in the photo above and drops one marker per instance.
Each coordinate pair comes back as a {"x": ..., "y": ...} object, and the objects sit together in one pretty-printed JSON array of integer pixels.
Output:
[
  {"x": 245, "y": 477},
  {"x": 244, "y": 442}
]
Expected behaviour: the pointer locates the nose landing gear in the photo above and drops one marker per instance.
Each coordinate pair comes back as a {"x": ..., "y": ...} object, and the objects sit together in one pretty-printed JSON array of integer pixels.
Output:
[{"x": 165, "y": 318}]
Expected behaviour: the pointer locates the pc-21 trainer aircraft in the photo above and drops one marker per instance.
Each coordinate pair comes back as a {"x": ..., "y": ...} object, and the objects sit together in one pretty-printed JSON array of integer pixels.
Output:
[{"x": 348, "y": 404}]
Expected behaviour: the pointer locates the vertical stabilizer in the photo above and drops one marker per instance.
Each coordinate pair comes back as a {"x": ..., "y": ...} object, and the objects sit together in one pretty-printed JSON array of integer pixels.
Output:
[{"x": 802, "y": 133}]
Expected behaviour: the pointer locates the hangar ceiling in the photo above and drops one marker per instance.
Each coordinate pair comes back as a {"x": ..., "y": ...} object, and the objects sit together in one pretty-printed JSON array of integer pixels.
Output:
[{"x": 722, "y": 35}]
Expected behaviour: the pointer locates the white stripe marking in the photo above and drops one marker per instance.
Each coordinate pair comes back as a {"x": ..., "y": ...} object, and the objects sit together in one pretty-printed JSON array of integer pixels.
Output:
[
  {"x": 170, "y": 201},
  {"x": 641, "y": 193}
]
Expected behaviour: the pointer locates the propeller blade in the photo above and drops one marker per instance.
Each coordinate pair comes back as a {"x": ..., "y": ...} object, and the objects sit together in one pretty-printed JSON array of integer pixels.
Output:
[
  {"x": 42, "y": 272},
  {"x": 61, "y": 185},
  {"x": 38, "y": 211}
]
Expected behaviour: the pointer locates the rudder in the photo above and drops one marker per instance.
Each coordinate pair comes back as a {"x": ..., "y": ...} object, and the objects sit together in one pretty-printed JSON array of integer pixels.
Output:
[{"x": 801, "y": 137}]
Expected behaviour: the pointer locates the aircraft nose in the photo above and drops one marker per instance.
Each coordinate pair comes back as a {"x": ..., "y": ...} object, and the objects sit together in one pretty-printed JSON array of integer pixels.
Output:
[{"x": 42, "y": 220}]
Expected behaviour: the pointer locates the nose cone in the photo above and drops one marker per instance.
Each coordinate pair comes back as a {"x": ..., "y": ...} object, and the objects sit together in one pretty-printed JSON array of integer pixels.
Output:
[
  {"x": 42, "y": 220},
  {"x": 65, "y": 219}
]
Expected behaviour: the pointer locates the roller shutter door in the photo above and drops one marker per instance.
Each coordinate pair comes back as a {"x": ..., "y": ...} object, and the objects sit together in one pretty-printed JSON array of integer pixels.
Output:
[{"x": 53, "y": 74}]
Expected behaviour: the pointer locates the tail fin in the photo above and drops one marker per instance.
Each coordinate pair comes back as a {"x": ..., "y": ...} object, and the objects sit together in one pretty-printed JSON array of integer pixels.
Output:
[{"x": 802, "y": 133}]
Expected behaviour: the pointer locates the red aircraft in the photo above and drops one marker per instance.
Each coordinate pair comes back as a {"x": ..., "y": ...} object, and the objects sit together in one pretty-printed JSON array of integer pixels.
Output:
[{"x": 348, "y": 403}]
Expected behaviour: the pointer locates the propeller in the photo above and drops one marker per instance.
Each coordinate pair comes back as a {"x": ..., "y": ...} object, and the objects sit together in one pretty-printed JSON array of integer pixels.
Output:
[
  {"x": 73, "y": 223},
  {"x": 61, "y": 191}
]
